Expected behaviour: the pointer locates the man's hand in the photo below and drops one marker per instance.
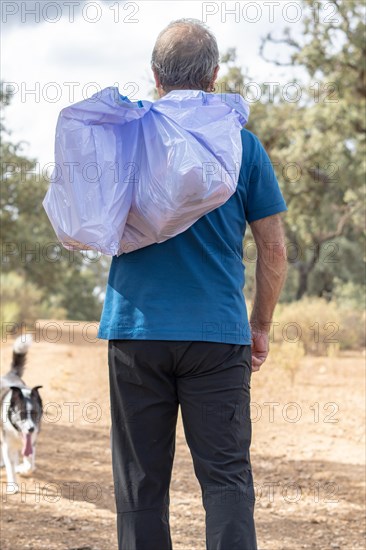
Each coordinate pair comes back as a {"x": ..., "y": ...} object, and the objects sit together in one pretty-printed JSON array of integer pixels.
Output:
[{"x": 260, "y": 348}]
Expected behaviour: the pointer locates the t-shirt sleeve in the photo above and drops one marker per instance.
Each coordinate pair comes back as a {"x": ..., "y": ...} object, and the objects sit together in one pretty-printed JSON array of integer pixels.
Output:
[{"x": 264, "y": 197}]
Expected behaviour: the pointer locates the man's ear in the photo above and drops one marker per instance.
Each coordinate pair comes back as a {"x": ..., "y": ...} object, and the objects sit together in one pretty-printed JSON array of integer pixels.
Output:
[
  {"x": 158, "y": 85},
  {"x": 214, "y": 77},
  {"x": 216, "y": 70},
  {"x": 156, "y": 78}
]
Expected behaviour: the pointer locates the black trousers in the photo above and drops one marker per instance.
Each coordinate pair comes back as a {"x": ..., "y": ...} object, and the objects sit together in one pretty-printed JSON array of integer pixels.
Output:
[{"x": 149, "y": 379}]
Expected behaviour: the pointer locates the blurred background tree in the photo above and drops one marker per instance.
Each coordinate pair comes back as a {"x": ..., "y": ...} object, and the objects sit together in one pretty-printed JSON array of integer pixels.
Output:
[
  {"x": 39, "y": 277},
  {"x": 316, "y": 141}
]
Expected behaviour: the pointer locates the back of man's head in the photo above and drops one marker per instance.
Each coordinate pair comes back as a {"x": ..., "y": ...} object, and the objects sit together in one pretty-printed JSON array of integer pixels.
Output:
[{"x": 185, "y": 56}]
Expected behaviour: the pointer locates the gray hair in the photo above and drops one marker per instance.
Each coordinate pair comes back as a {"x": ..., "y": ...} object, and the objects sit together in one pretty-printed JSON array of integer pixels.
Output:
[{"x": 185, "y": 55}]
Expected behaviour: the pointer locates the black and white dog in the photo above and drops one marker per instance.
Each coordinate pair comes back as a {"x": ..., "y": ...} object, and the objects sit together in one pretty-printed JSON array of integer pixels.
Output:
[{"x": 20, "y": 415}]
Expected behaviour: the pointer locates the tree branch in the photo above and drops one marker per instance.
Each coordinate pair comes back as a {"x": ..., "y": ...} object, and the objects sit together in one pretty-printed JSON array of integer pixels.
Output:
[
  {"x": 340, "y": 226},
  {"x": 288, "y": 41}
]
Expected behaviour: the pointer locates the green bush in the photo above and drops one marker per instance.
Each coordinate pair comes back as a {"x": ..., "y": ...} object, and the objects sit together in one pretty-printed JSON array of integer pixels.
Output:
[{"x": 22, "y": 302}]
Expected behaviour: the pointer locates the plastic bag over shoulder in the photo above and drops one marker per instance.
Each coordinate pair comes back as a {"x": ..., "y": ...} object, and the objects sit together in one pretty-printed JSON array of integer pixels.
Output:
[{"x": 130, "y": 174}]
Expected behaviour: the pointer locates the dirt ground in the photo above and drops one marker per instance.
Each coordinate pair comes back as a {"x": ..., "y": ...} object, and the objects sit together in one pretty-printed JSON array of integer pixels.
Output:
[{"x": 307, "y": 456}]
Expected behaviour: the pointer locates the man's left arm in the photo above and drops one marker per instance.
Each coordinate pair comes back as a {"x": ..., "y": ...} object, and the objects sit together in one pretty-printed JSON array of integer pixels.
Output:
[{"x": 271, "y": 269}]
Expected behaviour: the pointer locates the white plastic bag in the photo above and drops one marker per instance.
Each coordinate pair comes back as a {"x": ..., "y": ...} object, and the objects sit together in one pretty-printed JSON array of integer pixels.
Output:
[{"x": 129, "y": 174}]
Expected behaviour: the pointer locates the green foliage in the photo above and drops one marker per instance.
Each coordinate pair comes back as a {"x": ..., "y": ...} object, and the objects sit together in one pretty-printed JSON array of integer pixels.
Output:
[
  {"x": 317, "y": 146},
  {"x": 349, "y": 295},
  {"x": 24, "y": 302},
  {"x": 45, "y": 276}
]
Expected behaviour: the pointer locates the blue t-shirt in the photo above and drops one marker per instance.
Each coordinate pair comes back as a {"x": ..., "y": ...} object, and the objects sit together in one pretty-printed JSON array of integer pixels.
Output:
[{"x": 190, "y": 287}]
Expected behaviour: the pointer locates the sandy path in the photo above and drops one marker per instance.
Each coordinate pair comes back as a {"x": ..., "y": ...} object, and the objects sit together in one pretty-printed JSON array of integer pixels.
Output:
[{"x": 307, "y": 458}]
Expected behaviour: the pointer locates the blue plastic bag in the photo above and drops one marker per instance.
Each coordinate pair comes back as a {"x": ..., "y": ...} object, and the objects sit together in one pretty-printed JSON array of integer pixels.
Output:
[{"x": 130, "y": 174}]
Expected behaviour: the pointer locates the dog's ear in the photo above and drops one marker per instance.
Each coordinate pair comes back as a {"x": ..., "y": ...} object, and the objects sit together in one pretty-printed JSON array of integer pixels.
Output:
[
  {"x": 17, "y": 390},
  {"x": 17, "y": 395},
  {"x": 34, "y": 393}
]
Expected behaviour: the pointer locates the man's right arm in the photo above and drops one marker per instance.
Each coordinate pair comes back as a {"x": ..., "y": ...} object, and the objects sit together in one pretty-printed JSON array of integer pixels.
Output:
[{"x": 271, "y": 269}]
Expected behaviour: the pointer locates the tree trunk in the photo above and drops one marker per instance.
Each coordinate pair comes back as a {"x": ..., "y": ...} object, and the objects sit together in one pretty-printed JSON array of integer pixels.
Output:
[
  {"x": 305, "y": 268},
  {"x": 303, "y": 282}
]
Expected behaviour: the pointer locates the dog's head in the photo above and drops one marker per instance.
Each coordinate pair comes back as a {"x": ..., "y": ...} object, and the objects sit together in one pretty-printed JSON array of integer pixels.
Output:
[{"x": 25, "y": 413}]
